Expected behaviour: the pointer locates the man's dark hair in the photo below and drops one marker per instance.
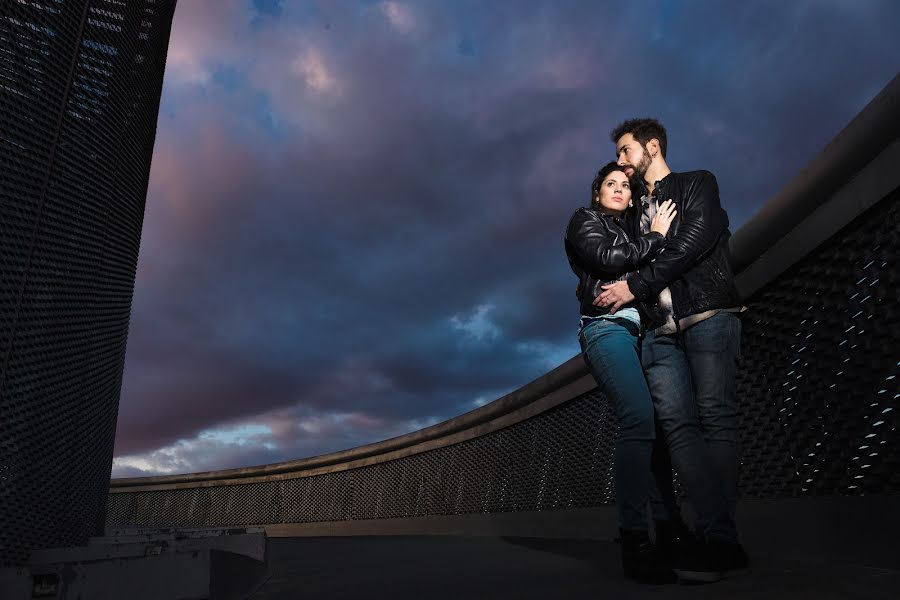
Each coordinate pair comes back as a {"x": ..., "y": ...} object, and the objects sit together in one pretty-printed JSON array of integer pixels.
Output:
[
  {"x": 601, "y": 175},
  {"x": 643, "y": 131}
]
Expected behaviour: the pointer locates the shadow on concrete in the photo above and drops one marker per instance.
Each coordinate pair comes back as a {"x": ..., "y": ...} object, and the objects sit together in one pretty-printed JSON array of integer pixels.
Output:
[
  {"x": 437, "y": 567},
  {"x": 589, "y": 551}
]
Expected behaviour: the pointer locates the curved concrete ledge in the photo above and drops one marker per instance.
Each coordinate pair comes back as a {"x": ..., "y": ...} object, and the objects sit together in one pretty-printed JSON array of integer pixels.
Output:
[
  {"x": 875, "y": 128},
  {"x": 559, "y": 385}
]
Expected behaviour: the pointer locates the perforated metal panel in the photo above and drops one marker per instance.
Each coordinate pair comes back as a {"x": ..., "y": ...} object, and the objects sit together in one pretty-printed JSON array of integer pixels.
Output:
[
  {"x": 816, "y": 388},
  {"x": 79, "y": 94},
  {"x": 559, "y": 459},
  {"x": 818, "y": 385}
]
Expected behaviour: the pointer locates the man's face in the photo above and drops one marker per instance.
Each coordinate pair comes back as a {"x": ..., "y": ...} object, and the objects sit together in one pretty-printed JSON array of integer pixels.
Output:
[{"x": 632, "y": 156}]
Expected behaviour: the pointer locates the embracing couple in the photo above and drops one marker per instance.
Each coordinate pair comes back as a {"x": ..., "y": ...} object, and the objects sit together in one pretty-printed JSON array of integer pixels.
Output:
[{"x": 659, "y": 332}]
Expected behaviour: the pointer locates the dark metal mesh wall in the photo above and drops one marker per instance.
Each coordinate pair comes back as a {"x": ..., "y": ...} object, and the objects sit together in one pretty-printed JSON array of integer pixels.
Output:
[
  {"x": 80, "y": 83},
  {"x": 818, "y": 385},
  {"x": 559, "y": 459},
  {"x": 817, "y": 389}
]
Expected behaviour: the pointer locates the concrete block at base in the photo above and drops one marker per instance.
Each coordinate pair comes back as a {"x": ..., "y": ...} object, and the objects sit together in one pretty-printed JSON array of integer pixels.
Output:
[
  {"x": 215, "y": 564},
  {"x": 15, "y": 583}
]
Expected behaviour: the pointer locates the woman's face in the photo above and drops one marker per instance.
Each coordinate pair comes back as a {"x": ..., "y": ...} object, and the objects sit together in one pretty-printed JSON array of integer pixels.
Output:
[{"x": 614, "y": 193}]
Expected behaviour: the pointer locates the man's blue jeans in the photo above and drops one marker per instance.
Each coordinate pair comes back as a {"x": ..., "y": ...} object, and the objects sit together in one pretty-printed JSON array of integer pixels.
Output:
[
  {"x": 691, "y": 375},
  {"x": 611, "y": 351}
]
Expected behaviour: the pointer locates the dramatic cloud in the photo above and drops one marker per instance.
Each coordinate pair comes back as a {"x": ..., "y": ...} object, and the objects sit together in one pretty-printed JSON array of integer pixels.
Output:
[
  {"x": 477, "y": 326},
  {"x": 355, "y": 213},
  {"x": 400, "y": 15}
]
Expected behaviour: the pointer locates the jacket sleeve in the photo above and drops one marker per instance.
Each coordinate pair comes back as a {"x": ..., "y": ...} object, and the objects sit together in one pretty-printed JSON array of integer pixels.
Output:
[
  {"x": 702, "y": 222},
  {"x": 590, "y": 241}
]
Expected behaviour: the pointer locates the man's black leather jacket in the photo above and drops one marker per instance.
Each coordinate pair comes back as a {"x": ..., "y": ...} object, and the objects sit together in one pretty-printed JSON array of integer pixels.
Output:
[
  {"x": 601, "y": 251},
  {"x": 696, "y": 264}
]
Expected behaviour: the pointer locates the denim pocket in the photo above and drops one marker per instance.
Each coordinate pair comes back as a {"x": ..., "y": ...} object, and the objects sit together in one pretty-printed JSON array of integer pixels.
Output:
[{"x": 719, "y": 333}]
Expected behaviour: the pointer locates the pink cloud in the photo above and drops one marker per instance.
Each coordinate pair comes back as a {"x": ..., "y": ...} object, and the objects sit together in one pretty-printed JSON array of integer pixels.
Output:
[
  {"x": 399, "y": 14},
  {"x": 204, "y": 33},
  {"x": 277, "y": 436}
]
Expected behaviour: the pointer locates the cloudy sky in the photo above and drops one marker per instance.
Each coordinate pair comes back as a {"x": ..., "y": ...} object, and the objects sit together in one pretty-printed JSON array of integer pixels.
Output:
[{"x": 355, "y": 214}]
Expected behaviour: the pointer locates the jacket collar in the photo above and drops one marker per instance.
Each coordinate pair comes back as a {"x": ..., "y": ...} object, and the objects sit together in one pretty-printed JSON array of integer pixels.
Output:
[
  {"x": 603, "y": 212},
  {"x": 662, "y": 183}
]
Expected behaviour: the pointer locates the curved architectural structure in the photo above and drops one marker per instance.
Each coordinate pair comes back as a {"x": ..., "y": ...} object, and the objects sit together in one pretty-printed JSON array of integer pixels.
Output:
[
  {"x": 80, "y": 84},
  {"x": 817, "y": 389}
]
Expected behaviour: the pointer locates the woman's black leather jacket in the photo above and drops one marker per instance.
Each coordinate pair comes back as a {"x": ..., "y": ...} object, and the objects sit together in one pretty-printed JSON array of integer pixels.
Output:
[{"x": 600, "y": 251}]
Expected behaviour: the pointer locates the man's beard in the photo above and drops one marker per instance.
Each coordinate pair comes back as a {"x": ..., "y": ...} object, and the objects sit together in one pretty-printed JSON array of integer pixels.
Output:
[{"x": 641, "y": 167}]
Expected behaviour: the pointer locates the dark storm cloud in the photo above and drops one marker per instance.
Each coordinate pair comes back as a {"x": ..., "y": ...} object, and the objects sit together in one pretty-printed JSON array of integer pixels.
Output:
[{"x": 355, "y": 211}]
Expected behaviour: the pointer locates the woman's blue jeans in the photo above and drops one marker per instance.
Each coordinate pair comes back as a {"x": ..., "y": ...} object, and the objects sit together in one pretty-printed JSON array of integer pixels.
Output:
[{"x": 612, "y": 353}]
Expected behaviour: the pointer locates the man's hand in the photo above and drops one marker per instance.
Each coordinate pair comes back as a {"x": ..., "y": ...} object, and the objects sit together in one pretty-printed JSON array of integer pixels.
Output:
[{"x": 614, "y": 296}]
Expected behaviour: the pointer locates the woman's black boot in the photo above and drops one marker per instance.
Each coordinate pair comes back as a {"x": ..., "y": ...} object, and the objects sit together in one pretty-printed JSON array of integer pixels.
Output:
[
  {"x": 641, "y": 561},
  {"x": 673, "y": 540}
]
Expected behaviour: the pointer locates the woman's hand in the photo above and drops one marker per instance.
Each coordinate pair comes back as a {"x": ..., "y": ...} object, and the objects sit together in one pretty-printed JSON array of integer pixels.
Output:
[{"x": 663, "y": 218}]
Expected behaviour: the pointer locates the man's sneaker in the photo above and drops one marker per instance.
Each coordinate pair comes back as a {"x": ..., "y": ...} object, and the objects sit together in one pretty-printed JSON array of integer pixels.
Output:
[
  {"x": 730, "y": 557},
  {"x": 711, "y": 561},
  {"x": 640, "y": 560},
  {"x": 673, "y": 539}
]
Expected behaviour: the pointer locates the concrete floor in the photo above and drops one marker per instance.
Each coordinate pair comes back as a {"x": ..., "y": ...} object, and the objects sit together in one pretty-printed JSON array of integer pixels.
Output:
[{"x": 432, "y": 567}]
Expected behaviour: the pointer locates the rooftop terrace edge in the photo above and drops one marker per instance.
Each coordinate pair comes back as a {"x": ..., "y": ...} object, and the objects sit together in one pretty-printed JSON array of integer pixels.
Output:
[{"x": 772, "y": 241}]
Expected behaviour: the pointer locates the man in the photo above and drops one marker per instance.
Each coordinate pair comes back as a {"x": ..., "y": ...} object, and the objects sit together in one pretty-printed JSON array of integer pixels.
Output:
[{"x": 689, "y": 354}]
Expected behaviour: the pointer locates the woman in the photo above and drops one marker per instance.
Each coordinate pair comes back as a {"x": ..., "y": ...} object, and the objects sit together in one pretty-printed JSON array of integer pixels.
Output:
[{"x": 601, "y": 249}]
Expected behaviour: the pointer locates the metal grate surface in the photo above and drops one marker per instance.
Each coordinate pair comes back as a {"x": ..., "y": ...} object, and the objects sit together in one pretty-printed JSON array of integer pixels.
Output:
[
  {"x": 817, "y": 394},
  {"x": 80, "y": 82},
  {"x": 558, "y": 459},
  {"x": 818, "y": 385}
]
